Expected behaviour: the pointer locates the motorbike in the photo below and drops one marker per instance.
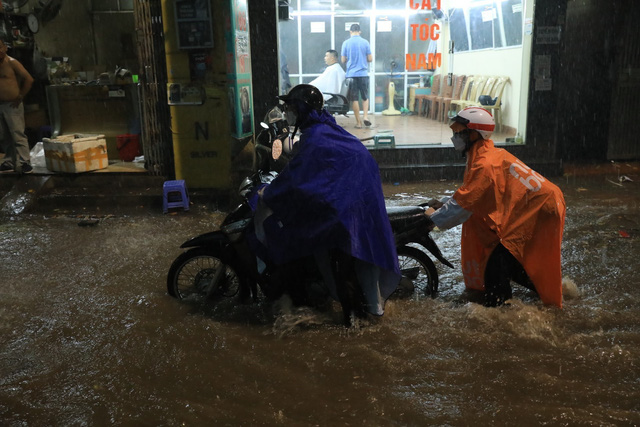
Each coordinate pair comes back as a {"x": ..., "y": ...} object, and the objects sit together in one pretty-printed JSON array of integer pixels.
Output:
[{"x": 220, "y": 264}]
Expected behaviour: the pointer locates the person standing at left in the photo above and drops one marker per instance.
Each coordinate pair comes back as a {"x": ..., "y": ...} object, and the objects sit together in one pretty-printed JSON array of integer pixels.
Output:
[{"x": 15, "y": 83}]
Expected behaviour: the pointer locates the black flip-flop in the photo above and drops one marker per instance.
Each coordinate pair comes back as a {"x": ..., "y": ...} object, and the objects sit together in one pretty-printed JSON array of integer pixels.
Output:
[{"x": 367, "y": 123}]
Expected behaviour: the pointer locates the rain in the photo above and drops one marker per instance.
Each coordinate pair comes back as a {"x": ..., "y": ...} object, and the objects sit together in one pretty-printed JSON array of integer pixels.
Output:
[{"x": 89, "y": 334}]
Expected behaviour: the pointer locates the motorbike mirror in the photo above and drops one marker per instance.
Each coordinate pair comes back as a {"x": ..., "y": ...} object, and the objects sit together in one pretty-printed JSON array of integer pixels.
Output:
[
  {"x": 264, "y": 125},
  {"x": 245, "y": 186}
]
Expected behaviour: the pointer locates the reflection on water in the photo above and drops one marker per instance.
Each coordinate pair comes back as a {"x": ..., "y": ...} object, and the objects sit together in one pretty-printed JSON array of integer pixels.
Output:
[{"x": 89, "y": 335}]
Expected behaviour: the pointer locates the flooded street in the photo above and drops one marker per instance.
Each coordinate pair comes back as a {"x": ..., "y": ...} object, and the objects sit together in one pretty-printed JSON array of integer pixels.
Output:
[{"x": 89, "y": 336}]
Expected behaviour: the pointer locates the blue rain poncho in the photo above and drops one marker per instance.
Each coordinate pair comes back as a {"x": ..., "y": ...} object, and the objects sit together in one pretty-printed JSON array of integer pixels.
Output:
[{"x": 330, "y": 196}]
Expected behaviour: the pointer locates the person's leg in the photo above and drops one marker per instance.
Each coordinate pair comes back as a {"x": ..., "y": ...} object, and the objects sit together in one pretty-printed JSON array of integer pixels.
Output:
[
  {"x": 365, "y": 115},
  {"x": 347, "y": 287},
  {"x": 497, "y": 281},
  {"x": 15, "y": 123},
  {"x": 364, "y": 93},
  {"x": 355, "y": 105},
  {"x": 323, "y": 261},
  {"x": 6, "y": 143},
  {"x": 518, "y": 273},
  {"x": 369, "y": 279},
  {"x": 353, "y": 95}
]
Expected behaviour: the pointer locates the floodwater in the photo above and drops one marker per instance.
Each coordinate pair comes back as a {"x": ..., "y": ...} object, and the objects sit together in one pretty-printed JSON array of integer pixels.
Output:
[{"x": 89, "y": 336}]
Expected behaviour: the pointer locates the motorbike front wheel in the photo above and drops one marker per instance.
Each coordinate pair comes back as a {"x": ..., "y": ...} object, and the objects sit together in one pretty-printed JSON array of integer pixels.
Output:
[
  {"x": 418, "y": 269},
  {"x": 202, "y": 273}
]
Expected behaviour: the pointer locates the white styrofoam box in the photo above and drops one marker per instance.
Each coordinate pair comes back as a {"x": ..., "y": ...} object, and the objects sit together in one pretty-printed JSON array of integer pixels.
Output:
[{"x": 76, "y": 153}]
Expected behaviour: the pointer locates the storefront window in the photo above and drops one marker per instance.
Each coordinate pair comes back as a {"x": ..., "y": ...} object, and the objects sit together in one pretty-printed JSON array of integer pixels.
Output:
[
  {"x": 354, "y": 5},
  {"x": 511, "y": 14},
  {"x": 481, "y": 26},
  {"x": 315, "y": 5},
  {"x": 391, "y": 4},
  {"x": 490, "y": 25},
  {"x": 420, "y": 54},
  {"x": 458, "y": 29},
  {"x": 390, "y": 38},
  {"x": 316, "y": 36},
  {"x": 289, "y": 40}
]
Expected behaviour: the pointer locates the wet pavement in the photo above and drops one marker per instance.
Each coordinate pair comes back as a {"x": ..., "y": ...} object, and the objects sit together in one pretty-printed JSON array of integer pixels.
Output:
[{"x": 89, "y": 336}]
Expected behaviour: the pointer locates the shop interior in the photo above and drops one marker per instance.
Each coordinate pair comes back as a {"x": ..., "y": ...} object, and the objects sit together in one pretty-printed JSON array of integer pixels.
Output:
[
  {"x": 85, "y": 83},
  {"x": 481, "y": 50}
]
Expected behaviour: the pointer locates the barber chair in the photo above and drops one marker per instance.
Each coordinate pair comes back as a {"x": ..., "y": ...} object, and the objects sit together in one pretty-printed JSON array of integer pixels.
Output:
[{"x": 338, "y": 102}]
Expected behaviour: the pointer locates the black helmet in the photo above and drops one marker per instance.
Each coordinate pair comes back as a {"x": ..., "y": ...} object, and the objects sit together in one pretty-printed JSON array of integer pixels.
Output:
[
  {"x": 308, "y": 94},
  {"x": 302, "y": 99}
]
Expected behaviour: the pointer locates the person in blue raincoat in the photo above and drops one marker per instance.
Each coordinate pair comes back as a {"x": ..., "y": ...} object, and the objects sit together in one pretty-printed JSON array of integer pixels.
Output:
[{"x": 328, "y": 202}]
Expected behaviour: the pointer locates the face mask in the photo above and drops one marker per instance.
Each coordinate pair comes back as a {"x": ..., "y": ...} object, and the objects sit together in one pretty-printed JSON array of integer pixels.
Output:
[
  {"x": 290, "y": 116},
  {"x": 460, "y": 140}
]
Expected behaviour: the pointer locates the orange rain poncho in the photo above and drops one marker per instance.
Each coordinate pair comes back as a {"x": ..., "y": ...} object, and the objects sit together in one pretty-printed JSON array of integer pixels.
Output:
[{"x": 515, "y": 206}]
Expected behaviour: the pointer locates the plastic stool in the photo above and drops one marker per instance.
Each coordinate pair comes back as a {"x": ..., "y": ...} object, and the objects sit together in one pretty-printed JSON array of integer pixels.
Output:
[
  {"x": 384, "y": 141},
  {"x": 175, "y": 195}
]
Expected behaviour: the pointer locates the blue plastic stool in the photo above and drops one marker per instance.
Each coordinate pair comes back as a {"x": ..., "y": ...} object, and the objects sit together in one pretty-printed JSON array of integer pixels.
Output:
[
  {"x": 175, "y": 195},
  {"x": 384, "y": 141}
]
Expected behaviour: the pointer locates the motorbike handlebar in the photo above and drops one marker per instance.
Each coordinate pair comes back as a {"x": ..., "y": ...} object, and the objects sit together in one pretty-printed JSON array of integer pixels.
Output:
[{"x": 433, "y": 203}]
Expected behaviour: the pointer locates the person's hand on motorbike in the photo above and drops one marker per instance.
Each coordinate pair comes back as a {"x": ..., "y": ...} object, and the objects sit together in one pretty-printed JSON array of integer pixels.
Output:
[
  {"x": 430, "y": 224},
  {"x": 435, "y": 204}
]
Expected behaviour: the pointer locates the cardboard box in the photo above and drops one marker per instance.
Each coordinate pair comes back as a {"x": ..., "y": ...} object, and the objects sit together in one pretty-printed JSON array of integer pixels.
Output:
[{"x": 75, "y": 153}]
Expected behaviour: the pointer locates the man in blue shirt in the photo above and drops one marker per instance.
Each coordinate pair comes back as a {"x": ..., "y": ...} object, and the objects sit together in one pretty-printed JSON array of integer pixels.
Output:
[{"x": 356, "y": 53}]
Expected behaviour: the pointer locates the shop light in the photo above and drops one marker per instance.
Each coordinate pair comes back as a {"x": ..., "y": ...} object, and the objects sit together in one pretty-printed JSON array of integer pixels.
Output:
[{"x": 466, "y": 4}]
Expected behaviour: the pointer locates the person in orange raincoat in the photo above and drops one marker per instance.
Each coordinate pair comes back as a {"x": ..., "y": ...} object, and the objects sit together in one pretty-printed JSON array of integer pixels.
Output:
[{"x": 512, "y": 217}]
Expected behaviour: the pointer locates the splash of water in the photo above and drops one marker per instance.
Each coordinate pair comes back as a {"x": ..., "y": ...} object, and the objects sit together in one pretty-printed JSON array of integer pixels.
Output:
[
  {"x": 290, "y": 318},
  {"x": 569, "y": 289},
  {"x": 527, "y": 323}
]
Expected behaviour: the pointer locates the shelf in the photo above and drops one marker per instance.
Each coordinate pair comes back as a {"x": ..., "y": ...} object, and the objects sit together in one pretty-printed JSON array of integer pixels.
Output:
[{"x": 9, "y": 22}]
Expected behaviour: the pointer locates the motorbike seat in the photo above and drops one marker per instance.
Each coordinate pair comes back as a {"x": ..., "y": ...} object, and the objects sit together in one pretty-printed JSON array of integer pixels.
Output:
[
  {"x": 404, "y": 211},
  {"x": 402, "y": 216}
]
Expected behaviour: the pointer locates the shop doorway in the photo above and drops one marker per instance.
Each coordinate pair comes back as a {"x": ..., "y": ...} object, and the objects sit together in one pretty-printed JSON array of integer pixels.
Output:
[{"x": 439, "y": 61}]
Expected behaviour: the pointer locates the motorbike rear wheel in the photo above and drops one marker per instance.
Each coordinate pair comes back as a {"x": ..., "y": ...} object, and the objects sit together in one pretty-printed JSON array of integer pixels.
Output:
[
  {"x": 418, "y": 268},
  {"x": 202, "y": 273}
]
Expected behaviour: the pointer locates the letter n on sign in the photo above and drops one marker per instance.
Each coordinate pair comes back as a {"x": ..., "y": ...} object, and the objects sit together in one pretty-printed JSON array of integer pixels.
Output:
[{"x": 200, "y": 130}]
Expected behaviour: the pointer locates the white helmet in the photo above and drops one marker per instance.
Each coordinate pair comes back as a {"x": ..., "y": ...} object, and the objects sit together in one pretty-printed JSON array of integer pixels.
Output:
[{"x": 478, "y": 119}]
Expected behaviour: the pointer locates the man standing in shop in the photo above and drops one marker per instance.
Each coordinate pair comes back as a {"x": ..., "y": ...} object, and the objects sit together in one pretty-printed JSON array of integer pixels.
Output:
[
  {"x": 15, "y": 83},
  {"x": 356, "y": 53}
]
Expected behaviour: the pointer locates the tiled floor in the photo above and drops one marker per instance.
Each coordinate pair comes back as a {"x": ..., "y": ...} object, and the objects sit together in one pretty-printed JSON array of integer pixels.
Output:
[
  {"x": 407, "y": 130},
  {"x": 114, "y": 166}
]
